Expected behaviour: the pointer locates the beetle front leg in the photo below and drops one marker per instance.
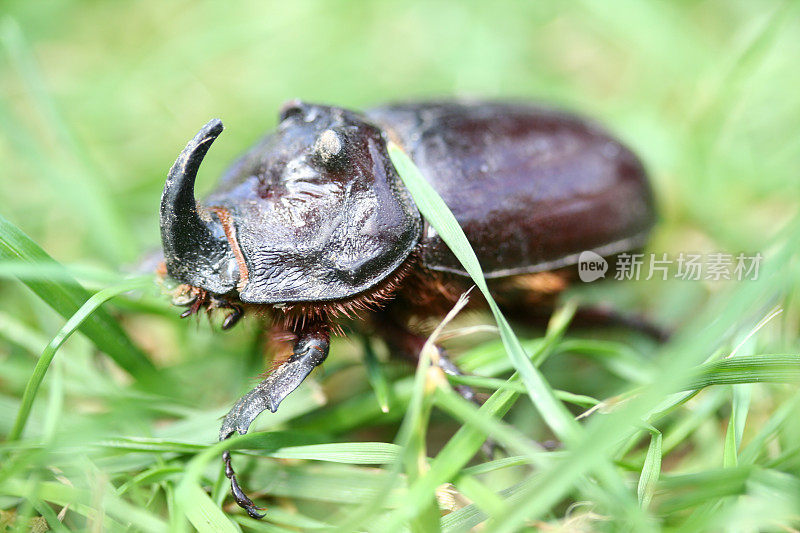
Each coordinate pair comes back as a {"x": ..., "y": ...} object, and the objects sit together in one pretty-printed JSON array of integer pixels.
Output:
[{"x": 310, "y": 351}]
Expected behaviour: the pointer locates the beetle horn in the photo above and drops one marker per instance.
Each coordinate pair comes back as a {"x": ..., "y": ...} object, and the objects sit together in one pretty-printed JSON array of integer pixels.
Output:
[{"x": 186, "y": 236}]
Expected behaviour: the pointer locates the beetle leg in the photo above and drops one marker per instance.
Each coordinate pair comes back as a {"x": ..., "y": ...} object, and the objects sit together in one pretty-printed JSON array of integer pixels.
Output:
[
  {"x": 310, "y": 350},
  {"x": 598, "y": 315},
  {"x": 200, "y": 298},
  {"x": 408, "y": 345},
  {"x": 489, "y": 446},
  {"x": 449, "y": 367}
]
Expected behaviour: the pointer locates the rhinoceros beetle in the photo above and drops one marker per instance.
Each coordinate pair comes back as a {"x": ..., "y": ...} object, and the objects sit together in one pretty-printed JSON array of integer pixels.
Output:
[{"x": 314, "y": 226}]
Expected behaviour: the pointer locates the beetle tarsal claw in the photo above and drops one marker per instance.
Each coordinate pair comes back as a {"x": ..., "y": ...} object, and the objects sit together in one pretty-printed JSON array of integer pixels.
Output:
[
  {"x": 238, "y": 494},
  {"x": 310, "y": 351}
]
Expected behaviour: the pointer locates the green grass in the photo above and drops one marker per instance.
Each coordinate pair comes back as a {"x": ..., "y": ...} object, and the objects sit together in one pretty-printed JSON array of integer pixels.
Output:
[{"x": 700, "y": 434}]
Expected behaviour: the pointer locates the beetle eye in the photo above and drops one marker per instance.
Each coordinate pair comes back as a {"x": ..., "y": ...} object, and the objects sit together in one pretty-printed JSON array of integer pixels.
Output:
[{"x": 329, "y": 150}]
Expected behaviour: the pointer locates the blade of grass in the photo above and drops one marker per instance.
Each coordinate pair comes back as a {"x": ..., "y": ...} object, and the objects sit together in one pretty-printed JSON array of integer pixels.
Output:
[
  {"x": 496, "y": 464},
  {"x": 442, "y": 220},
  {"x": 24, "y": 270},
  {"x": 345, "y": 485},
  {"x": 202, "y": 512},
  {"x": 690, "y": 422},
  {"x": 50, "y": 516},
  {"x": 65, "y": 296},
  {"x": 261, "y": 441},
  {"x": 261, "y": 525},
  {"x": 408, "y": 436},
  {"x": 466, "y": 518},
  {"x": 151, "y": 475},
  {"x": 607, "y": 432},
  {"x": 742, "y": 394},
  {"x": 55, "y": 404},
  {"x": 690, "y": 490},
  {"x": 376, "y": 376},
  {"x": 80, "y": 501},
  {"x": 489, "y": 502},
  {"x": 495, "y": 384},
  {"x": 449, "y": 401},
  {"x": 357, "y": 453},
  {"x": 786, "y": 412},
  {"x": 780, "y": 368},
  {"x": 650, "y": 470},
  {"x": 280, "y": 516},
  {"x": 468, "y": 440},
  {"x": 733, "y": 436},
  {"x": 84, "y": 313},
  {"x": 729, "y": 453},
  {"x": 554, "y": 413},
  {"x": 775, "y": 368}
]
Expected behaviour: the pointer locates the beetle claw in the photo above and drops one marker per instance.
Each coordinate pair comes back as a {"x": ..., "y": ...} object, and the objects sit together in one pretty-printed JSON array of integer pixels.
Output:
[
  {"x": 233, "y": 317},
  {"x": 238, "y": 494},
  {"x": 210, "y": 302}
]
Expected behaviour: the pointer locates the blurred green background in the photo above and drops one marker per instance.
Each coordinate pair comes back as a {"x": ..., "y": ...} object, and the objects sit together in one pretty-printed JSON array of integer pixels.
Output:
[
  {"x": 97, "y": 98},
  {"x": 106, "y": 94}
]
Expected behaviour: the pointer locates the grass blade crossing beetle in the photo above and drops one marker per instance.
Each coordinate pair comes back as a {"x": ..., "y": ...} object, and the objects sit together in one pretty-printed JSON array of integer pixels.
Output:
[{"x": 314, "y": 225}]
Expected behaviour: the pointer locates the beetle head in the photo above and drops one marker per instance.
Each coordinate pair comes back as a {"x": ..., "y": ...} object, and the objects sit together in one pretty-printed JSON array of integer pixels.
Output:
[{"x": 313, "y": 212}]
